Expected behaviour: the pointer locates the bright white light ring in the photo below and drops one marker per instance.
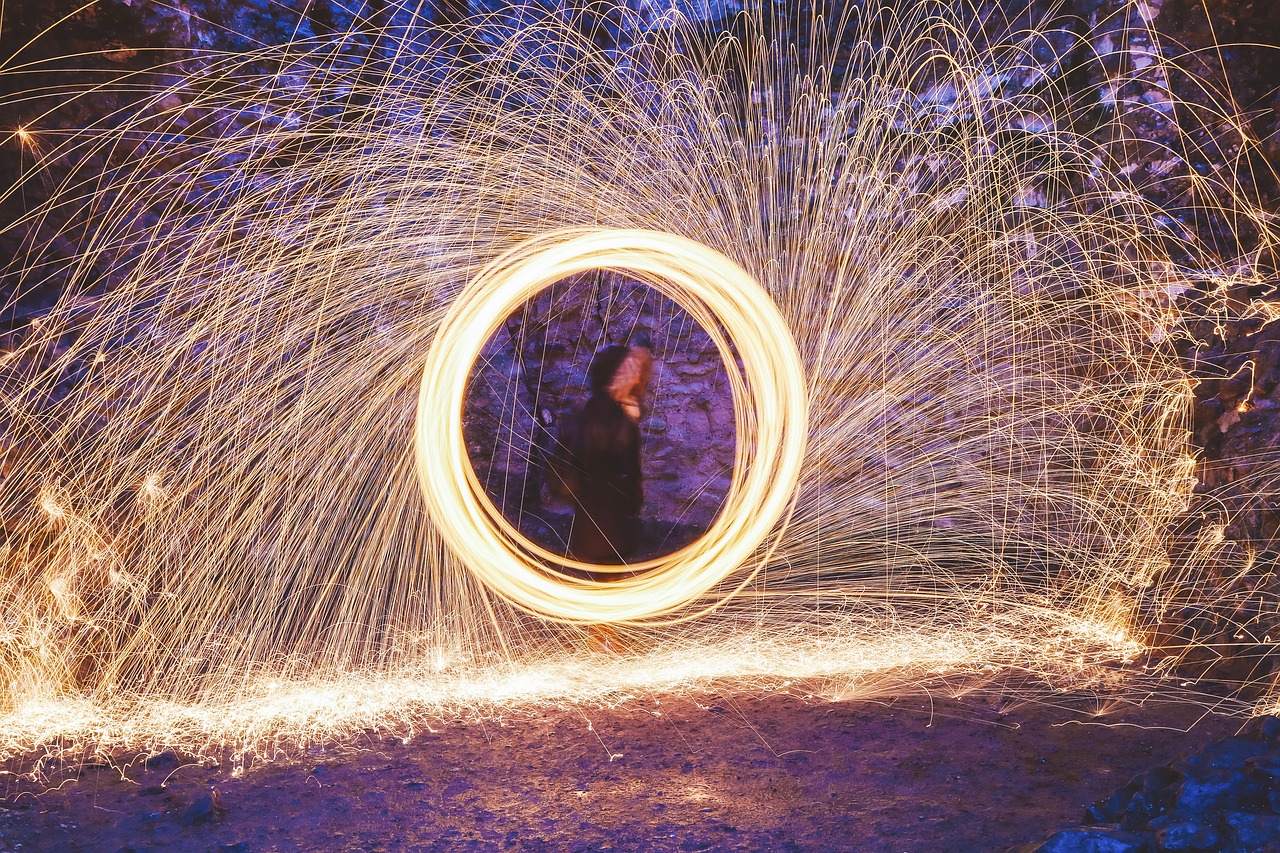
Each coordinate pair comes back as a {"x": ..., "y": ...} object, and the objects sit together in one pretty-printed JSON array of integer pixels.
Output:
[{"x": 770, "y": 409}]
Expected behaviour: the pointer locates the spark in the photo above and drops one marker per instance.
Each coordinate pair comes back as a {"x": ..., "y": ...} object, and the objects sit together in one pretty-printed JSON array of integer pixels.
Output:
[
  {"x": 152, "y": 491},
  {"x": 51, "y": 506},
  {"x": 961, "y": 421}
]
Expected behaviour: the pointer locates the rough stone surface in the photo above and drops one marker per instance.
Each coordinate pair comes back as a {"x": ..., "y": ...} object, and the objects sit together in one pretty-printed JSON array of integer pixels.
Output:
[{"x": 1220, "y": 798}]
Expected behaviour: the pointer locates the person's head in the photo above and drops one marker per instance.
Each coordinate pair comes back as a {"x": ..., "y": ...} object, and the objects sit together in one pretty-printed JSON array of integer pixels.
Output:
[
  {"x": 604, "y": 366},
  {"x": 623, "y": 373}
]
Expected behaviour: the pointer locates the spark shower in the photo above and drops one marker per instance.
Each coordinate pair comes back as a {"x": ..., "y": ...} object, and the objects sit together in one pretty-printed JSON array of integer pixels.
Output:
[{"x": 238, "y": 506}]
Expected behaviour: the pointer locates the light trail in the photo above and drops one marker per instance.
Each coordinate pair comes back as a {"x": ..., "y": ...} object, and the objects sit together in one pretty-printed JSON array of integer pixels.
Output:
[
  {"x": 234, "y": 441},
  {"x": 770, "y": 416}
]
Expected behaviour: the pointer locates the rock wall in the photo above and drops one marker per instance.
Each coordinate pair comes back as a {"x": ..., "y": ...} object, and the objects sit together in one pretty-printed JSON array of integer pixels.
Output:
[{"x": 533, "y": 374}]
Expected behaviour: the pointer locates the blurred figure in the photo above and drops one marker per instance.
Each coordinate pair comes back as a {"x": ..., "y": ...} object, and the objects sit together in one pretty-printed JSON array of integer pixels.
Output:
[{"x": 596, "y": 466}]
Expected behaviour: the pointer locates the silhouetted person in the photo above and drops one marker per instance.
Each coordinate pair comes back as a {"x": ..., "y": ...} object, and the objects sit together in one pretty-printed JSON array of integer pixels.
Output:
[{"x": 597, "y": 465}]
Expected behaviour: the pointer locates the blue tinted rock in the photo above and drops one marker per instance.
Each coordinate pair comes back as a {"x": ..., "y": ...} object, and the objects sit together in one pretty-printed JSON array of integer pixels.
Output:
[
  {"x": 1201, "y": 795},
  {"x": 1187, "y": 835},
  {"x": 1254, "y": 832},
  {"x": 1094, "y": 839},
  {"x": 1144, "y": 807},
  {"x": 200, "y": 811},
  {"x": 162, "y": 761},
  {"x": 1262, "y": 728},
  {"x": 1112, "y": 809},
  {"x": 1265, "y": 767},
  {"x": 1161, "y": 779},
  {"x": 1105, "y": 811},
  {"x": 1233, "y": 751}
]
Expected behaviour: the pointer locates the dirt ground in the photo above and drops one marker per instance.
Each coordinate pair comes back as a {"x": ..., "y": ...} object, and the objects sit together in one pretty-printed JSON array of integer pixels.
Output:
[{"x": 715, "y": 772}]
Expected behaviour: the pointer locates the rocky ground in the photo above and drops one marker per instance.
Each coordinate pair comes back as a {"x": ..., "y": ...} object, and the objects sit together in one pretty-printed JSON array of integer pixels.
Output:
[{"x": 710, "y": 772}]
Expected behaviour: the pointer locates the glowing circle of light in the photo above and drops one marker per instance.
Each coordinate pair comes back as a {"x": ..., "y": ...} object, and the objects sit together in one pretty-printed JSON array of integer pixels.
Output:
[{"x": 770, "y": 413}]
